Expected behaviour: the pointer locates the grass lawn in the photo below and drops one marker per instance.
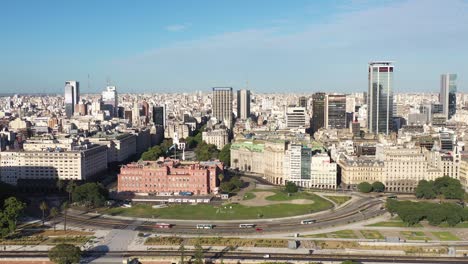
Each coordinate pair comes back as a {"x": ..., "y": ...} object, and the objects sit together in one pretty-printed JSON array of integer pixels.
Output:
[
  {"x": 393, "y": 224},
  {"x": 283, "y": 196},
  {"x": 371, "y": 234},
  {"x": 337, "y": 234},
  {"x": 339, "y": 199},
  {"x": 459, "y": 225},
  {"x": 414, "y": 235},
  {"x": 224, "y": 212},
  {"x": 445, "y": 236},
  {"x": 249, "y": 196}
]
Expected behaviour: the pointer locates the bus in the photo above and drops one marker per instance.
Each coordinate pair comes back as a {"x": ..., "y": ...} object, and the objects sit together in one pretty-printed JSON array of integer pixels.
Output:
[
  {"x": 246, "y": 225},
  {"x": 204, "y": 226},
  {"x": 308, "y": 221},
  {"x": 163, "y": 225}
]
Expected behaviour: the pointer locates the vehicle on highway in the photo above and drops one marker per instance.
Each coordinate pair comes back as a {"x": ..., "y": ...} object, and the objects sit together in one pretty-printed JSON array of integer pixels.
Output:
[
  {"x": 163, "y": 225},
  {"x": 204, "y": 226},
  {"x": 258, "y": 229},
  {"x": 266, "y": 256},
  {"x": 392, "y": 197},
  {"x": 308, "y": 221},
  {"x": 246, "y": 225}
]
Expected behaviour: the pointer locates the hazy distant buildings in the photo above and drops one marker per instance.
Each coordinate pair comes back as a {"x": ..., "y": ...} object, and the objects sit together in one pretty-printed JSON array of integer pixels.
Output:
[
  {"x": 335, "y": 111},
  {"x": 72, "y": 96},
  {"x": 448, "y": 97},
  {"x": 380, "y": 97},
  {"x": 222, "y": 105},
  {"x": 318, "y": 112},
  {"x": 243, "y": 104}
]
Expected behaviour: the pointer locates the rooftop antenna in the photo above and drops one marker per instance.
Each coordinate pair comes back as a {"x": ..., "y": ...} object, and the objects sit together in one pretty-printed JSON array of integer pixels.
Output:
[{"x": 89, "y": 84}]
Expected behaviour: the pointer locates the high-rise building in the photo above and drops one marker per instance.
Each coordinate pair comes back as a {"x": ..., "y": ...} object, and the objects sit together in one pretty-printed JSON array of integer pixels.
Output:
[
  {"x": 303, "y": 101},
  {"x": 243, "y": 104},
  {"x": 222, "y": 105},
  {"x": 448, "y": 97},
  {"x": 318, "y": 112},
  {"x": 110, "y": 100},
  {"x": 72, "y": 96},
  {"x": 380, "y": 97},
  {"x": 159, "y": 115},
  {"x": 296, "y": 117},
  {"x": 335, "y": 111}
]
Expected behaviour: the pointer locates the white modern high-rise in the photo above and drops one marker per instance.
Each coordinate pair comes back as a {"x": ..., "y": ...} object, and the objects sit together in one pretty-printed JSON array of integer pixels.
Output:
[
  {"x": 222, "y": 105},
  {"x": 448, "y": 97},
  {"x": 380, "y": 97},
  {"x": 72, "y": 96},
  {"x": 109, "y": 100},
  {"x": 243, "y": 104},
  {"x": 296, "y": 117}
]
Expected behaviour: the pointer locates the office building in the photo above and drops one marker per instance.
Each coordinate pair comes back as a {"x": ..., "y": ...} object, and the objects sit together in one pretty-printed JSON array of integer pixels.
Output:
[
  {"x": 318, "y": 112},
  {"x": 159, "y": 115},
  {"x": 335, "y": 111},
  {"x": 303, "y": 101},
  {"x": 380, "y": 98},
  {"x": 243, "y": 104},
  {"x": 218, "y": 137},
  {"x": 110, "y": 100},
  {"x": 222, "y": 105},
  {"x": 296, "y": 117},
  {"x": 448, "y": 97},
  {"x": 72, "y": 97}
]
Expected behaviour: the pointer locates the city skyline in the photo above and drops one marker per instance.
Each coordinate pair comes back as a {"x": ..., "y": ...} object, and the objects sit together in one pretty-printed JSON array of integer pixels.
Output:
[{"x": 303, "y": 48}]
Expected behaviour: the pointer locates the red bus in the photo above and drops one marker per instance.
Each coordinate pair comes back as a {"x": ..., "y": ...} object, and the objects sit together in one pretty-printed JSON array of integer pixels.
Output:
[{"x": 163, "y": 225}]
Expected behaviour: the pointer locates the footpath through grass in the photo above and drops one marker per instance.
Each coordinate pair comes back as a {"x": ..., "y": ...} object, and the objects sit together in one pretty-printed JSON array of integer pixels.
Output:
[
  {"x": 446, "y": 236},
  {"x": 232, "y": 211},
  {"x": 338, "y": 199}
]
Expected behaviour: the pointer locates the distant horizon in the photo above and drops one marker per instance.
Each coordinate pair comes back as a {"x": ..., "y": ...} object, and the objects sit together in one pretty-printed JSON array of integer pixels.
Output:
[{"x": 270, "y": 45}]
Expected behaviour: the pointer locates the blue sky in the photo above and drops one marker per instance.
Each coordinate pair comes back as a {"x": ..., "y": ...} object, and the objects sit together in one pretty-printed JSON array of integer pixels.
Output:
[{"x": 278, "y": 46}]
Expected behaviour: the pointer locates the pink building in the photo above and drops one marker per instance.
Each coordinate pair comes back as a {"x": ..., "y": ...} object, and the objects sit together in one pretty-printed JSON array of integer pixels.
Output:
[{"x": 170, "y": 176}]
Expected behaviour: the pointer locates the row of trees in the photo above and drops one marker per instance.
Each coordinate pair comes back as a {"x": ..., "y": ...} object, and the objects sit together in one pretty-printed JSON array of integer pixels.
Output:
[
  {"x": 366, "y": 187},
  {"x": 443, "y": 187},
  {"x": 413, "y": 212},
  {"x": 11, "y": 210},
  {"x": 89, "y": 194},
  {"x": 157, "y": 151},
  {"x": 233, "y": 185}
]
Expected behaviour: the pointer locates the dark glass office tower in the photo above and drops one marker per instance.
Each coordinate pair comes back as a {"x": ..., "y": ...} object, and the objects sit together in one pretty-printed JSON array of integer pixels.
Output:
[{"x": 380, "y": 97}]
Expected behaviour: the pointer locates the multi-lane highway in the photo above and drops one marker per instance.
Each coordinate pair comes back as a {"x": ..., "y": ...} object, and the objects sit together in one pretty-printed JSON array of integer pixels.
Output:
[
  {"x": 358, "y": 209},
  {"x": 227, "y": 255}
]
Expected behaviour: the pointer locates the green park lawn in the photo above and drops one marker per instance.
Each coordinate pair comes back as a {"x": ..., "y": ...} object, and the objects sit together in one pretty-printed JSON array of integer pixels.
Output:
[
  {"x": 338, "y": 199},
  {"x": 224, "y": 212},
  {"x": 414, "y": 235},
  {"x": 371, "y": 234},
  {"x": 393, "y": 224},
  {"x": 284, "y": 196},
  {"x": 338, "y": 234},
  {"x": 249, "y": 196},
  {"x": 446, "y": 236}
]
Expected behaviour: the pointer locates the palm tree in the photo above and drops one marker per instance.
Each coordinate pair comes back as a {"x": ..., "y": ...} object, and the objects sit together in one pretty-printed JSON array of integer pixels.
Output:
[
  {"x": 60, "y": 185},
  {"x": 65, "y": 208},
  {"x": 53, "y": 214},
  {"x": 43, "y": 206},
  {"x": 70, "y": 188}
]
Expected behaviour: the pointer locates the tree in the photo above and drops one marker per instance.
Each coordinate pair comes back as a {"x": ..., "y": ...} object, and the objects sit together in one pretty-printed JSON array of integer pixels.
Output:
[
  {"x": 90, "y": 194},
  {"x": 70, "y": 187},
  {"x": 221, "y": 177},
  {"x": 364, "y": 187},
  {"x": 198, "y": 253},
  {"x": 206, "y": 151},
  {"x": 225, "y": 155},
  {"x": 12, "y": 209},
  {"x": 60, "y": 185},
  {"x": 291, "y": 187},
  {"x": 153, "y": 153},
  {"x": 65, "y": 254},
  {"x": 182, "y": 254},
  {"x": 43, "y": 206},
  {"x": 425, "y": 190},
  {"x": 53, "y": 214},
  {"x": 227, "y": 187},
  {"x": 378, "y": 186},
  {"x": 65, "y": 206}
]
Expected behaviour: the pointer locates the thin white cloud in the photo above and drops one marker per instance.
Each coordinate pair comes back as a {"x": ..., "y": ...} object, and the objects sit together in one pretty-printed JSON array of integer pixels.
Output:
[{"x": 176, "y": 27}]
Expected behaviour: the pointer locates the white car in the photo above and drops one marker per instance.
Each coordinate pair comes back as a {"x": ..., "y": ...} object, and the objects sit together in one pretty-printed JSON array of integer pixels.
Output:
[{"x": 266, "y": 256}]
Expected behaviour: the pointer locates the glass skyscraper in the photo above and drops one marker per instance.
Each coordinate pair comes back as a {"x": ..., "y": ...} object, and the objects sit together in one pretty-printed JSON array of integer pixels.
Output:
[
  {"x": 72, "y": 97},
  {"x": 380, "y": 97},
  {"x": 448, "y": 94}
]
